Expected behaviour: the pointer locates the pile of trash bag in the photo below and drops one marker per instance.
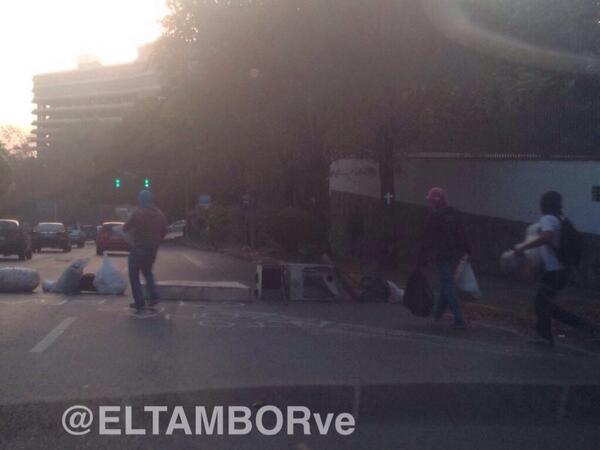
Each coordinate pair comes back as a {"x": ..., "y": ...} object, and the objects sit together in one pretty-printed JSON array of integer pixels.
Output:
[
  {"x": 107, "y": 280},
  {"x": 68, "y": 282},
  {"x": 18, "y": 279},
  {"x": 374, "y": 289}
]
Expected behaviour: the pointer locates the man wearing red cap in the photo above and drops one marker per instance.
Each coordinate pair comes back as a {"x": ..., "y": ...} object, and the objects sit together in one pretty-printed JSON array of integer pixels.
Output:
[{"x": 445, "y": 241}]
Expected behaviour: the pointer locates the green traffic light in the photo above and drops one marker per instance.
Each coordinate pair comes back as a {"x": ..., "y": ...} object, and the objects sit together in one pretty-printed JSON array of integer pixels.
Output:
[
  {"x": 146, "y": 182},
  {"x": 117, "y": 183}
]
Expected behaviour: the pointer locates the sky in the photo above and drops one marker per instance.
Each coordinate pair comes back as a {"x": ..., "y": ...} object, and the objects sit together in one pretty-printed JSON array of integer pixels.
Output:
[{"x": 38, "y": 36}]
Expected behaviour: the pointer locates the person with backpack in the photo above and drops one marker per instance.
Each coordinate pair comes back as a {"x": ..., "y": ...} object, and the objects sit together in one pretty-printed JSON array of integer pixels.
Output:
[
  {"x": 444, "y": 240},
  {"x": 560, "y": 246}
]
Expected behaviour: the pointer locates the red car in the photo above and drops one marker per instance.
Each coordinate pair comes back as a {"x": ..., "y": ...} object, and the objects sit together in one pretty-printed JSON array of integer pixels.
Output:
[{"x": 108, "y": 240}]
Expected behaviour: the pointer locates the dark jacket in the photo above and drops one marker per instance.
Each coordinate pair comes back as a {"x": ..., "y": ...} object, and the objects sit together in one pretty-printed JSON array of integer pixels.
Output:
[
  {"x": 148, "y": 227},
  {"x": 444, "y": 236}
]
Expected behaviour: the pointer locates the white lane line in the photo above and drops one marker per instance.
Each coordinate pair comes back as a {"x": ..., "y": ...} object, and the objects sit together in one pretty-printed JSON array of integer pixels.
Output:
[
  {"x": 102, "y": 302},
  {"x": 52, "y": 336},
  {"x": 168, "y": 317},
  {"x": 194, "y": 261},
  {"x": 64, "y": 301}
]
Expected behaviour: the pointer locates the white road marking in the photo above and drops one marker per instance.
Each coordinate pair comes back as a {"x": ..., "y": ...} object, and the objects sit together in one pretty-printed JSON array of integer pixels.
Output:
[
  {"x": 168, "y": 317},
  {"x": 52, "y": 336},
  {"x": 64, "y": 301},
  {"x": 181, "y": 303},
  {"x": 194, "y": 261},
  {"x": 143, "y": 315},
  {"x": 102, "y": 302}
]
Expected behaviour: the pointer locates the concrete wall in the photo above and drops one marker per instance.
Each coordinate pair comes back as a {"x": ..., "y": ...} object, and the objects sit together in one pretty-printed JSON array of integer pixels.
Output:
[
  {"x": 503, "y": 189},
  {"x": 499, "y": 199}
]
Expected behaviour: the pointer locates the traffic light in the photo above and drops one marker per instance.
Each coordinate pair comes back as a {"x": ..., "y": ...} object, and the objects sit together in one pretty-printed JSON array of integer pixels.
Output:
[
  {"x": 117, "y": 182},
  {"x": 146, "y": 183}
]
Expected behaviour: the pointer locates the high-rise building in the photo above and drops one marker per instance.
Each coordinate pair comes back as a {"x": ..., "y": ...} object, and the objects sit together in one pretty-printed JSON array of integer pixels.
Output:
[{"x": 91, "y": 93}]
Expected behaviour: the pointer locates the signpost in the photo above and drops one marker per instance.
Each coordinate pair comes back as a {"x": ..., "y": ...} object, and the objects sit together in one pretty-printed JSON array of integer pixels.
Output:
[{"x": 204, "y": 201}]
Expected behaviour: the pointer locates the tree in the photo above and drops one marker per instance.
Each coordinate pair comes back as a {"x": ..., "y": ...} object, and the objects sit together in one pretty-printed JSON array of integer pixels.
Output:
[{"x": 5, "y": 171}]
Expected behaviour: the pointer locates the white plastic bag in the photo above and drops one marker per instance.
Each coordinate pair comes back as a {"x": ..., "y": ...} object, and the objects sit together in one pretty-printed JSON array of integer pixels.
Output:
[
  {"x": 68, "y": 282},
  {"x": 528, "y": 266},
  {"x": 48, "y": 285},
  {"x": 108, "y": 279},
  {"x": 465, "y": 279},
  {"x": 18, "y": 279},
  {"x": 396, "y": 293}
]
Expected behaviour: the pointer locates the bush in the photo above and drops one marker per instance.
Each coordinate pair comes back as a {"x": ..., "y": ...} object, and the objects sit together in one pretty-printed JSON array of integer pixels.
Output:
[
  {"x": 223, "y": 225},
  {"x": 293, "y": 229}
]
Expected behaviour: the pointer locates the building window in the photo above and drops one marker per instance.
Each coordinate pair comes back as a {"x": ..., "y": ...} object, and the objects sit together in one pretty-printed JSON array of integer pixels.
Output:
[{"x": 596, "y": 193}]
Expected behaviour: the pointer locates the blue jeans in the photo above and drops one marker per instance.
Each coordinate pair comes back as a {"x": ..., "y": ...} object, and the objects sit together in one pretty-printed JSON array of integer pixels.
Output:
[
  {"x": 448, "y": 293},
  {"x": 142, "y": 260}
]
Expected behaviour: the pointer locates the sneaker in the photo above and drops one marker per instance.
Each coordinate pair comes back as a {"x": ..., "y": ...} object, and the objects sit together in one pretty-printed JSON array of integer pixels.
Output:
[{"x": 135, "y": 306}]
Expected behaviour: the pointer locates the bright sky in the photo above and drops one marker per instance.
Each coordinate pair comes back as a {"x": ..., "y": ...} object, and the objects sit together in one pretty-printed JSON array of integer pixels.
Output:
[{"x": 38, "y": 36}]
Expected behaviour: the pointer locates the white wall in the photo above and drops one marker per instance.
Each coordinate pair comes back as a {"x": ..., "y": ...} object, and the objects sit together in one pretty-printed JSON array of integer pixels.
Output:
[{"x": 505, "y": 189}]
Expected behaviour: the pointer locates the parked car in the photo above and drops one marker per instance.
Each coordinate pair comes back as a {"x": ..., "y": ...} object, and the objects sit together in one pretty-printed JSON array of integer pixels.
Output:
[
  {"x": 177, "y": 227},
  {"x": 14, "y": 239},
  {"x": 77, "y": 236},
  {"x": 50, "y": 235},
  {"x": 90, "y": 232},
  {"x": 108, "y": 240}
]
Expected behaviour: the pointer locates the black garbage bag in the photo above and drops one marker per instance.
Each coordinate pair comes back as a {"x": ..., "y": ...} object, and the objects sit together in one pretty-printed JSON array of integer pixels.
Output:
[
  {"x": 374, "y": 289},
  {"x": 418, "y": 297}
]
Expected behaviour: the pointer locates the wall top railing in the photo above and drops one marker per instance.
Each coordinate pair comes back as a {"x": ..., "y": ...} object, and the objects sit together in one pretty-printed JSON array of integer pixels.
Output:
[{"x": 503, "y": 156}]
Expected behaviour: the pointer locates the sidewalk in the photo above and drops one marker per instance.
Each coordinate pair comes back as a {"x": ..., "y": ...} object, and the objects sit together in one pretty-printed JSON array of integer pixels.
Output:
[{"x": 504, "y": 300}]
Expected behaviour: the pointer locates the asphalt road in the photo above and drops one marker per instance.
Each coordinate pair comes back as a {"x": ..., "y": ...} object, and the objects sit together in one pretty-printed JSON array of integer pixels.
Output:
[{"x": 58, "y": 351}]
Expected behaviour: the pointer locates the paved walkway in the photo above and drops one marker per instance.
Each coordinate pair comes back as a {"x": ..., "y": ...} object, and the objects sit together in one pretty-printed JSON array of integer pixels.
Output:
[{"x": 506, "y": 301}]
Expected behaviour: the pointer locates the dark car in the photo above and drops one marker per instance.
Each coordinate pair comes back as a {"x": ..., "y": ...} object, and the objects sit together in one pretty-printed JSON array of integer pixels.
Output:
[
  {"x": 77, "y": 235},
  {"x": 90, "y": 232},
  {"x": 51, "y": 235},
  {"x": 108, "y": 239},
  {"x": 14, "y": 239}
]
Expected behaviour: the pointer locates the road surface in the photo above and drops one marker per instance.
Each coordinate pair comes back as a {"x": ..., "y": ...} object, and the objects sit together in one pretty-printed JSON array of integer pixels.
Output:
[{"x": 375, "y": 361}]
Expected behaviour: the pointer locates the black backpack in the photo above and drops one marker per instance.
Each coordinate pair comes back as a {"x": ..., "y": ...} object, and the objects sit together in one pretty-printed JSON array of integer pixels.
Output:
[{"x": 570, "y": 246}]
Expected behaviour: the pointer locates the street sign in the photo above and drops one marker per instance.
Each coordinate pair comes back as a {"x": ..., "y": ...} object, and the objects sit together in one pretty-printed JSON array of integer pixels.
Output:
[{"x": 204, "y": 200}]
